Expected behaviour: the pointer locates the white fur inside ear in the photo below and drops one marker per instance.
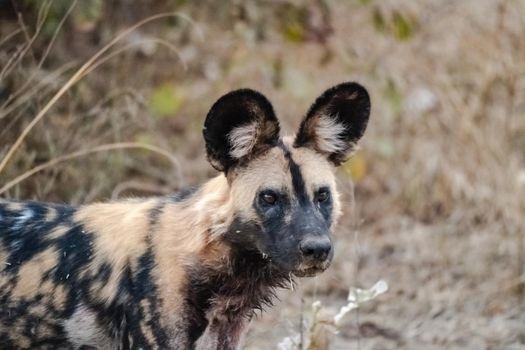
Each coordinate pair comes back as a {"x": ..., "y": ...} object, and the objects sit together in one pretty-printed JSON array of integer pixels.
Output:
[
  {"x": 328, "y": 135},
  {"x": 242, "y": 140}
]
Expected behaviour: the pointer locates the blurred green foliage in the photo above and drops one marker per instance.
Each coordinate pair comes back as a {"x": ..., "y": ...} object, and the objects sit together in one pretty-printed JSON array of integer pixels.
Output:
[
  {"x": 88, "y": 13},
  {"x": 356, "y": 167},
  {"x": 403, "y": 26},
  {"x": 395, "y": 22},
  {"x": 293, "y": 21},
  {"x": 165, "y": 100},
  {"x": 393, "y": 96}
]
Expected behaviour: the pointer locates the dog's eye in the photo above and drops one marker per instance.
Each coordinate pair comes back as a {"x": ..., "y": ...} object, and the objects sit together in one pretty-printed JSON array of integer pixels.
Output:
[
  {"x": 269, "y": 198},
  {"x": 323, "y": 195}
]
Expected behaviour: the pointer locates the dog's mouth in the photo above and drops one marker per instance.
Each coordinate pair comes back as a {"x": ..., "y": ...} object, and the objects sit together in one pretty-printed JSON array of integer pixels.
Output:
[
  {"x": 303, "y": 269},
  {"x": 311, "y": 271}
]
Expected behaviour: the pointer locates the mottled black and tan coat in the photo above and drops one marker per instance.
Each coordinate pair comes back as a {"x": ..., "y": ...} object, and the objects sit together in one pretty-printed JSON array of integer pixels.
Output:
[{"x": 184, "y": 271}]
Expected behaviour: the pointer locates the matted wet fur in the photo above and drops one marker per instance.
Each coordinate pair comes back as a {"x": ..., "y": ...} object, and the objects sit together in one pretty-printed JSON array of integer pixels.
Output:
[{"x": 184, "y": 271}]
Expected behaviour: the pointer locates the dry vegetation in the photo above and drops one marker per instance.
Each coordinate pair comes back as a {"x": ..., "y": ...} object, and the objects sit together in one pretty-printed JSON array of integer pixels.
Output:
[{"x": 439, "y": 209}]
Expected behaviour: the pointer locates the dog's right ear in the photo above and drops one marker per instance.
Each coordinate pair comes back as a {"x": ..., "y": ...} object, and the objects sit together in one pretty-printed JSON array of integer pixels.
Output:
[
  {"x": 238, "y": 127},
  {"x": 335, "y": 122}
]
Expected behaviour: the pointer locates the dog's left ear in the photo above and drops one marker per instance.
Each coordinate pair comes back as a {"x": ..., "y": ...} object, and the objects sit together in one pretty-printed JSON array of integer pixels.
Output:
[{"x": 335, "y": 122}]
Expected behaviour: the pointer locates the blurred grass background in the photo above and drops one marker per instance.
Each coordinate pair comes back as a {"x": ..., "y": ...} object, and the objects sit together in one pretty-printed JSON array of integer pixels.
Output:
[{"x": 438, "y": 208}]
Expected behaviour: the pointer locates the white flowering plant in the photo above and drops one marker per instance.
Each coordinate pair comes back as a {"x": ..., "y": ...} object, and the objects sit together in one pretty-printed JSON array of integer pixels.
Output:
[{"x": 316, "y": 335}]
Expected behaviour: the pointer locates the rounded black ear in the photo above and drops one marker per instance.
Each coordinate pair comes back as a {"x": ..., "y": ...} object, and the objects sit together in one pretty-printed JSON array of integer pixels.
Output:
[
  {"x": 335, "y": 122},
  {"x": 239, "y": 126}
]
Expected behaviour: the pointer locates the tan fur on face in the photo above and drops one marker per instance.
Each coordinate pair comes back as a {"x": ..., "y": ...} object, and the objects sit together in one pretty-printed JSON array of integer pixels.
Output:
[
  {"x": 268, "y": 171},
  {"x": 317, "y": 172},
  {"x": 271, "y": 170}
]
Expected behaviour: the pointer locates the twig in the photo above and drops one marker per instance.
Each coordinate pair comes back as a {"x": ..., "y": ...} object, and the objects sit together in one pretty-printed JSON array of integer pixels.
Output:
[{"x": 9, "y": 36}]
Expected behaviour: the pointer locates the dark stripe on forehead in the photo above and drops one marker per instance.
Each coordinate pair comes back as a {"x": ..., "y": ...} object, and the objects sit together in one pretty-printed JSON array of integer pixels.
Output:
[{"x": 297, "y": 177}]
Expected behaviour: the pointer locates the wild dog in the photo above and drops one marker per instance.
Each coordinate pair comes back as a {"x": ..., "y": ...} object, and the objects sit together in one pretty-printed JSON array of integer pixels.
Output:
[{"x": 185, "y": 271}]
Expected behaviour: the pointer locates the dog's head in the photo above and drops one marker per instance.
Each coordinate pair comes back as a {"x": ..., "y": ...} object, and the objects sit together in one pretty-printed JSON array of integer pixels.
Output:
[{"x": 283, "y": 189}]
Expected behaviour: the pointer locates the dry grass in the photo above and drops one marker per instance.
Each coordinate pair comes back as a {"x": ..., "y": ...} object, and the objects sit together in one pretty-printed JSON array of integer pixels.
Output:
[{"x": 439, "y": 184}]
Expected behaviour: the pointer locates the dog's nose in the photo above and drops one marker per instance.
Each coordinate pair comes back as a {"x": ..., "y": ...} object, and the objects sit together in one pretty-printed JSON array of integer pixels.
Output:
[{"x": 316, "y": 248}]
